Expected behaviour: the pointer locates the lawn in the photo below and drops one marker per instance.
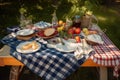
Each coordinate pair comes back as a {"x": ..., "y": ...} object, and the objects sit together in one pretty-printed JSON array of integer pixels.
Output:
[{"x": 109, "y": 19}]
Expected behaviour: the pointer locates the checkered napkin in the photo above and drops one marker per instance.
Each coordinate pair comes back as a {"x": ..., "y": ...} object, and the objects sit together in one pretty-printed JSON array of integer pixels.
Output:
[{"x": 48, "y": 63}]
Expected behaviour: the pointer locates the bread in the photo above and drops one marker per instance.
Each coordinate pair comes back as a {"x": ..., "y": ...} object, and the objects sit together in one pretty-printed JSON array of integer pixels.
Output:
[
  {"x": 32, "y": 45},
  {"x": 26, "y": 46},
  {"x": 49, "y": 31}
]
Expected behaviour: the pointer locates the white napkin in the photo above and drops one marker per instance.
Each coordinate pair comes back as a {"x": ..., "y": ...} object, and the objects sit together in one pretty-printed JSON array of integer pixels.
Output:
[
  {"x": 85, "y": 49},
  {"x": 78, "y": 53},
  {"x": 41, "y": 40},
  {"x": 12, "y": 35}
]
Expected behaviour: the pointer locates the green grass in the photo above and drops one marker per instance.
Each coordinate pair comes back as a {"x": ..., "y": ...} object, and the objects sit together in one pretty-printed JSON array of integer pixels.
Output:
[{"x": 109, "y": 19}]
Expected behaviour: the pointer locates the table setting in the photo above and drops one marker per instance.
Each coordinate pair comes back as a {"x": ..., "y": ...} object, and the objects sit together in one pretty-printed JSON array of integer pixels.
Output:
[
  {"x": 51, "y": 59},
  {"x": 55, "y": 52}
]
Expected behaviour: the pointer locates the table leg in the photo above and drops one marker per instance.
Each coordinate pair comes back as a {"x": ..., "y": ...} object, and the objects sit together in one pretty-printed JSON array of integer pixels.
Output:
[
  {"x": 14, "y": 72},
  {"x": 103, "y": 73}
]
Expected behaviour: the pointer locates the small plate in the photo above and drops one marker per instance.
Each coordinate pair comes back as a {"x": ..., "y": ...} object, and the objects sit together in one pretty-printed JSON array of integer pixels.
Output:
[
  {"x": 25, "y": 32},
  {"x": 18, "y": 48},
  {"x": 65, "y": 48},
  {"x": 42, "y": 35},
  {"x": 95, "y": 38}
]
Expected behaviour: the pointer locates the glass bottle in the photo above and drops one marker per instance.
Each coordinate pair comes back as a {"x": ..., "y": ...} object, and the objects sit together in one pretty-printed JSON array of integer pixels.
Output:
[{"x": 54, "y": 20}]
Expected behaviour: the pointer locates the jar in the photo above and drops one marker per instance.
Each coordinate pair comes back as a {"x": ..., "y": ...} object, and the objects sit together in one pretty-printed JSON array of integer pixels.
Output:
[
  {"x": 76, "y": 22},
  {"x": 88, "y": 20}
]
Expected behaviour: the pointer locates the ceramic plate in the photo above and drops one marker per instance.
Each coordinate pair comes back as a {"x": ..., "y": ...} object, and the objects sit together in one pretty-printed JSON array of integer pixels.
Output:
[
  {"x": 18, "y": 48},
  {"x": 95, "y": 38},
  {"x": 41, "y": 34},
  {"x": 65, "y": 48},
  {"x": 25, "y": 32}
]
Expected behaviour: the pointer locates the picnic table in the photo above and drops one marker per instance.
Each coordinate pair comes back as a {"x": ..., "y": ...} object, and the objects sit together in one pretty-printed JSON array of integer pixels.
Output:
[{"x": 106, "y": 55}]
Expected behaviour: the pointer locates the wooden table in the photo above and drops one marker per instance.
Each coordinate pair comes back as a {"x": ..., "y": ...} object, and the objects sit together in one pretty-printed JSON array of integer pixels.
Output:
[{"x": 7, "y": 60}]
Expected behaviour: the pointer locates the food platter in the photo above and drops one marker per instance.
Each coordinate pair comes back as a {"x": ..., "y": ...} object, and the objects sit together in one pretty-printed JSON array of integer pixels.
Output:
[
  {"x": 41, "y": 34},
  {"x": 25, "y": 32},
  {"x": 30, "y": 50}
]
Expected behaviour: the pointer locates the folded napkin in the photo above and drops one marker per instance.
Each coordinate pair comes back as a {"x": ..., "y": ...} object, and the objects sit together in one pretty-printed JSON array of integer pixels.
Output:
[{"x": 83, "y": 50}]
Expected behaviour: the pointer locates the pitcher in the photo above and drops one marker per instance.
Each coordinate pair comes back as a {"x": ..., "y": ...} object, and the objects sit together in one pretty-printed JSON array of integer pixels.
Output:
[{"x": 88, "y": 20}]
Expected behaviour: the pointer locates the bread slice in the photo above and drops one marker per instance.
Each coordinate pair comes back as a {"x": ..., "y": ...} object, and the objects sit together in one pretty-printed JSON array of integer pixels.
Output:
[
  {"x": 49, "y": 31},
  {"x": 26, "y": 46},
  {"x": 32, "y": 45}
]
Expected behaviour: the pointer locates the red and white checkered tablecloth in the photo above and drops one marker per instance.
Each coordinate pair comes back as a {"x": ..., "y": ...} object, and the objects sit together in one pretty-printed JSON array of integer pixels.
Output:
[{"x": 107, "y": 54}]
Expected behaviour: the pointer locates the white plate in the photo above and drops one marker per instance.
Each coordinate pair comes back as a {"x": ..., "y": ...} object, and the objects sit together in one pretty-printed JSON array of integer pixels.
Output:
[
  {"x": 65, "y": 48},
  {"x": 18, "y": 48},
  {"x": 25, "y": 32},
  {"x": 95, "y": 38}
]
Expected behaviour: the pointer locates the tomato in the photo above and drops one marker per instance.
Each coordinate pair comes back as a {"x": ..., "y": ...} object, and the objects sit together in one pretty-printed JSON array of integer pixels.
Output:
[
  {"x": 77, "y": 31},
  {"x": 70, "y": 31}
]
